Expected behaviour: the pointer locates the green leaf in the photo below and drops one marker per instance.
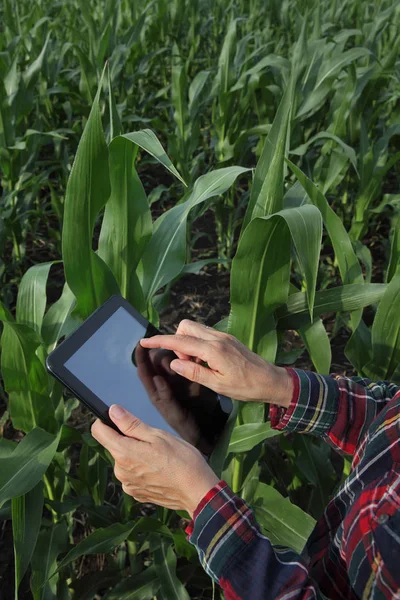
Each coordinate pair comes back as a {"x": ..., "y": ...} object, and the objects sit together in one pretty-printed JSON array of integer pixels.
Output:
[
  {"x": 394, "y": 252},
  {"x": 386, "y": 334},
  {"x": 261, "y": 270},
  {"x": 88, "y": 189},
  {"x": 171, "y": 588},
  {"x": 283, "y": 522},
  {"x": 26, "y": 519},
  {"x": 147, "y": 140},
  {"x": 266, "y": 195},
  {"x": 85, "y": 587},
  {"x": 143, "y": 586},
  {"x": 338, "y": 62},
  {"x": 51, "y": 542},
  {"x": 318, "y": 346},
  {"x": 165, "y": 254},
  {"x": 127, "y": 224},
  {"x": 348, "y": 150},
  {"x": 37, "y": 65},
  {"x": 115, "y": 123},
  {"x": 245, "y": 437},
  {"x": 101, "y": 541},
  {"x": 358, "y": 348},
  {"x": 58, "y": 321},
  {"x": 25, "y": 379},
  {"x": 343, "y": 298},
  {"x": 21, "y": 471},
  {"x": 31, "y": 301},
  {"x": 350, "y": 269},
  {"x": 313, "y": 461}
]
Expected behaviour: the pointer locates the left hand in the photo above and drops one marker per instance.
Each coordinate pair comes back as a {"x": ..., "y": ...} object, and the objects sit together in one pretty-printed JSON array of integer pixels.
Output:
[{"x": 154, "y": 465}]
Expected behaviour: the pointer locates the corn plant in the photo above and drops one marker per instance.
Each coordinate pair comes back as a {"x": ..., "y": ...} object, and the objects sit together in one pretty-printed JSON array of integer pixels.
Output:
[
  {"x": 309, "y": 92},
  {"x": 134, "y": 258}
]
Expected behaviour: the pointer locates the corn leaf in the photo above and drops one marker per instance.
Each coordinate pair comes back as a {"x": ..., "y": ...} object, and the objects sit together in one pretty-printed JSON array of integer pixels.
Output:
[
  {"x": 171, "y": 588},
  {"x": 22, "y": 470},
  {"x": 394, "y": 252},
  {"x": 103, "y": 540},
  {"x": 284, "y": 523},
  {"x": 245, "y": 437},
  {"x": 127, "y": 224},
  {"x": 31, "y": 301},
  {"x": 88, "y": 189},
  {"x": 26, "y": 519},
  {"x": 266, "y": 195},
  {"x": 25, "y": 379},
  {"x": 143, "y": 586},
  {"x": 386, "y": 334},
  {"x": 115, "y": 123},
  {"x": 344, "y": 298},
  {"x": 318, "y": 345},
  {"x": 165, "y": 254},
  {"x": 261, "y": 269},
  {"x": 52, "y": 541},
  {"x": 359, "y": 347},
  {"x": 58, "y": 321},
  {"x": 147, "y": 140}
]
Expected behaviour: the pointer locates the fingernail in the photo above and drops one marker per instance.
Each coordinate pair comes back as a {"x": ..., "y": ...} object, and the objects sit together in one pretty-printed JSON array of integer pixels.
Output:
[
  {"x": 176, "y": 366},
  {"x": 117, "y": 412}
]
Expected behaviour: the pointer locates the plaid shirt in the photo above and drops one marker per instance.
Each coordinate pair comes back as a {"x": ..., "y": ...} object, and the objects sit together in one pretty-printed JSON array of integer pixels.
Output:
[{"x": 354, "y": 550}]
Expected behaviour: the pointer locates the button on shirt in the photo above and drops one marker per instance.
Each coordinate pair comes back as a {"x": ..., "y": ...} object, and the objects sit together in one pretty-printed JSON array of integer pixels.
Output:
[{"x": 354, "y": 550}]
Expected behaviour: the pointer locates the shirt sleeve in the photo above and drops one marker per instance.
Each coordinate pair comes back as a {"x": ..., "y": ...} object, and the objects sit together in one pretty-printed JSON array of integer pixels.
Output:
[
  {"x": 233, "y": 551},
  {"x": 338, "y": 409}
]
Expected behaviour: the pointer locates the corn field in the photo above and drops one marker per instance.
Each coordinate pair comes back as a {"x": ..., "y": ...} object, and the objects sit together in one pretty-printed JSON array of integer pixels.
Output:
[{"x": 124, "y": 127}]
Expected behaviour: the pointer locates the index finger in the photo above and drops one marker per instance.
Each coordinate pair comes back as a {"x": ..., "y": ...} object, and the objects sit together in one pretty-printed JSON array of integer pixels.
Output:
[{"x": 180, "y": 343}]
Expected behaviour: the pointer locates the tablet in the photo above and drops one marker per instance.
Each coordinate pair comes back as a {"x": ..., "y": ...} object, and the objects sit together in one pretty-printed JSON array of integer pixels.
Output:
[{"x": 102, "y": 363}]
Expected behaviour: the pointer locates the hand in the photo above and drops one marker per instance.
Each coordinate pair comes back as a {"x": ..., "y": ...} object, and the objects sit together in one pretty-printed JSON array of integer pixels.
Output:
[
  {"x": 149, "y": 365},
  {"x": 153, "y": 465},
  {"x": 233, "y": 370}
]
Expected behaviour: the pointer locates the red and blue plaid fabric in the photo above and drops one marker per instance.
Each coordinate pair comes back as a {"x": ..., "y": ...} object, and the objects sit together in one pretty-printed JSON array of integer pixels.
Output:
[{"x": 354, "y": 550}]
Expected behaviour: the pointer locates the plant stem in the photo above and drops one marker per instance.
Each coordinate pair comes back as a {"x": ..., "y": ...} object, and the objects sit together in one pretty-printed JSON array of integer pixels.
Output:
[
  {"x": 237, "y": 473},
  {"x": 50, "y": 495}
]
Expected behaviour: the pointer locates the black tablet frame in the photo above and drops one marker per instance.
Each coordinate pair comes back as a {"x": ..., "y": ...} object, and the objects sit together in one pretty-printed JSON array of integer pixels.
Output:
[{"x": 55, "y": 361}]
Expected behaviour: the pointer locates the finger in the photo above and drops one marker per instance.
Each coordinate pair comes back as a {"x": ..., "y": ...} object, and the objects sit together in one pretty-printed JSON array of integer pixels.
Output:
[
  {"x": 145, "y": 371},
  {"x": 188, "y": 327},
  {"x": 130, "y": 425},
  {"x": 182, "y": 343},
  {"x": 106, "y": 436},
  {"x": 156, "y": 346},
  {"x": 164, "y": 392},
  {"x": 196, "y": 372},
  {"x": 174, "y": 414},
  {"x": 142, "y": 357}
]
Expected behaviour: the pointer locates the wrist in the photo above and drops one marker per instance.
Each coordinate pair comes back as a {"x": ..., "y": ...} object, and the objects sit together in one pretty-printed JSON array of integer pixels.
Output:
[
  {"x": 280, "y": 388},
  {"x": 196, "y": 493}
]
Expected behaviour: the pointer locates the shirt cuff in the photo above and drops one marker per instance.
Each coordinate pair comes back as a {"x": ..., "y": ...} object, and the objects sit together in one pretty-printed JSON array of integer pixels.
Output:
[
  {"x": 219, "y": 514},
  {"x": 207, "y": 498},
  {"x": 313, "y": 407}
]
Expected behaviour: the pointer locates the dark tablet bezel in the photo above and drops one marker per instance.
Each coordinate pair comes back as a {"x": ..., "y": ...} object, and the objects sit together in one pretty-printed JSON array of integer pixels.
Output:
[{"x": 55, "y": 362}]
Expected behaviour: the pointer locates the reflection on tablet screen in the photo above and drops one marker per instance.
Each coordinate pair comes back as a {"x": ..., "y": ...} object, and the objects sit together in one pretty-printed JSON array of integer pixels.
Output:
[{"x": 113, "y": 365}]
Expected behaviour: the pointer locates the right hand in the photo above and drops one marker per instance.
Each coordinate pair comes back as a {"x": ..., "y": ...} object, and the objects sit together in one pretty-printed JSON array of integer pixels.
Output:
[{"x": 233, "y": 370}]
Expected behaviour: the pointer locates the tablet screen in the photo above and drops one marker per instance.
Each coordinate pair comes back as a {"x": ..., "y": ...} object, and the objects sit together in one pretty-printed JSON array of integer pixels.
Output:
[{"x": 113, "y": 365}]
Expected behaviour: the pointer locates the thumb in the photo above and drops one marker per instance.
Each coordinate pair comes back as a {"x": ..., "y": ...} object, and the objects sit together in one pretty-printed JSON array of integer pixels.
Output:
[{"x": 130, "y": 425}]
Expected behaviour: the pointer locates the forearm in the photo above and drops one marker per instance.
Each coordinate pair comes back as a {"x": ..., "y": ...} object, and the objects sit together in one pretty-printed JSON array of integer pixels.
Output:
[
  {"x": 336, "y": 408},
  {"x": 244, "y": 562}
]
